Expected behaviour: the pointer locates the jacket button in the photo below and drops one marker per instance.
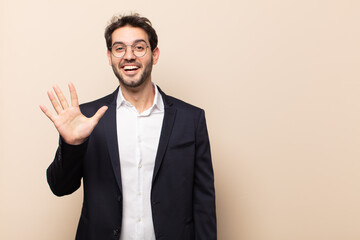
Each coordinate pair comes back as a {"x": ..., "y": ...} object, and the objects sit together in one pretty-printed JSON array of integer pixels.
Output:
[
  {"x": 119, "y": 198},
  {"x": 116, "y": 232}
]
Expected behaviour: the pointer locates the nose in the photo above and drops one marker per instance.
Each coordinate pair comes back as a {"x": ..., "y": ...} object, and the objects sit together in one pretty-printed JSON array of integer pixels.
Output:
[{"x": 129, "y": 54}]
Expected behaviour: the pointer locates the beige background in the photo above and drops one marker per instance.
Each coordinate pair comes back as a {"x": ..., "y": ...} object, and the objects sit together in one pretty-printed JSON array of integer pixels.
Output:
[{"x": 279, "y": 81}]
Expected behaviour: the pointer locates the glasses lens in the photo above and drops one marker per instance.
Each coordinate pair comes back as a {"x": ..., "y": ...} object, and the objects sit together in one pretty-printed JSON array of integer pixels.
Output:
[
  {"x": 139, "y": 49},
  {"x": 118, "y": 50}
]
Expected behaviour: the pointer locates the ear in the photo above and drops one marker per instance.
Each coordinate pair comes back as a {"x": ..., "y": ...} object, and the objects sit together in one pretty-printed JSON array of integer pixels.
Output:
[
  {"x": 109, "y": 56},
  {"x": 156, "y": 54}
]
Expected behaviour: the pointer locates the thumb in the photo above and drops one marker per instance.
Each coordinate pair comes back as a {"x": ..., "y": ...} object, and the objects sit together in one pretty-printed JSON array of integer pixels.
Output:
[{"x": 99, "y": 114}]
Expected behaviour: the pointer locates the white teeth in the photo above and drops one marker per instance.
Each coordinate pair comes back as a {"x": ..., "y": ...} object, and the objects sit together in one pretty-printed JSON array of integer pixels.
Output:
[{"x": 130, "y": 67}]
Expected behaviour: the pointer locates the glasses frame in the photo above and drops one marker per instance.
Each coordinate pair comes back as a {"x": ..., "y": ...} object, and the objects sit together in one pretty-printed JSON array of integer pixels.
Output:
[{"x": 132, "y": 49}]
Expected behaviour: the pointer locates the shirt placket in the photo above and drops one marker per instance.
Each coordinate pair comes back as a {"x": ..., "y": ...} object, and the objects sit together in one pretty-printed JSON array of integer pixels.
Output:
[{"x": 139, "y": 160}]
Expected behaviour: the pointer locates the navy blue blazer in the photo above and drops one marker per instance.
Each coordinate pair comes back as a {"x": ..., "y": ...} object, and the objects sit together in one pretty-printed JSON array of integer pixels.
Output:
[{"x": 182, "y": 194}]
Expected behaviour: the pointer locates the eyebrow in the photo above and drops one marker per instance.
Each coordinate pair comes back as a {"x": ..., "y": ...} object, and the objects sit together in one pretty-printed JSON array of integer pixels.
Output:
[{"x": 136, "y": 41}]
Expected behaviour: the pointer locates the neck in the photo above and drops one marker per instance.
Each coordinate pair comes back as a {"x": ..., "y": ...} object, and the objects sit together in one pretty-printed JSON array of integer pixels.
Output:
[{"x": 141, "y": 97}]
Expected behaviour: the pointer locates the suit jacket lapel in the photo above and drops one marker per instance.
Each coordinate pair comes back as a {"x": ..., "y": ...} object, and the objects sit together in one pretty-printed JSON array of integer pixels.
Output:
[
  {"x": 111, "y": 137},
  {"x": 168, "y": 122}
]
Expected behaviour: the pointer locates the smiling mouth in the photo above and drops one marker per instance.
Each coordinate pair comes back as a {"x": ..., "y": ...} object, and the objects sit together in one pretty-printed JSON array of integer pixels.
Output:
[{"x": 130, "y": 69}]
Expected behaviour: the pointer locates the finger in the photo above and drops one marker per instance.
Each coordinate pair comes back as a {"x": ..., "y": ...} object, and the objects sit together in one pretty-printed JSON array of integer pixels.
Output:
[
  {"x": 99, "y": 114},
  {"x": 61, "y": 97},
  {"x": 73, "y": 95},
  {"x": 47, "y": 112},
  {"x": 54, "y": 102}
]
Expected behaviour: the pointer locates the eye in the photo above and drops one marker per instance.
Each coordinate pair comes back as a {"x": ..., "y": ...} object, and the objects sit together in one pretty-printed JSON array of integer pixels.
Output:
[
  {"x": 118, "y": 48},
  {"x": 139, "y": 47}
]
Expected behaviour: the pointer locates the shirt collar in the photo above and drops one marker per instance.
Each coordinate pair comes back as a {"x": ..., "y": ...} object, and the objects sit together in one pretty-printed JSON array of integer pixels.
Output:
[{"x": 158, "y": 101}]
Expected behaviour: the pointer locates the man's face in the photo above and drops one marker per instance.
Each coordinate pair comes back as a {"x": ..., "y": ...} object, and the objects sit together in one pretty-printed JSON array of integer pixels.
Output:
[{"x": 132, "y": 71}]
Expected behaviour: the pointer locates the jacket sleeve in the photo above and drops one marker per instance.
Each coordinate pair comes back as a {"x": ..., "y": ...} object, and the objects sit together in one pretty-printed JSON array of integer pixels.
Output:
[
  {"x": 65, "y": 172},
  {"x": 204, "y": 191}
]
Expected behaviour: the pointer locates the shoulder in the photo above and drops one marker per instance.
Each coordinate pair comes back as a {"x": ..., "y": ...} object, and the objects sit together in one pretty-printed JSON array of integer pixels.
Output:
[
  {"x": 170, "y": 101},
  {"x": 181, "y": 105},
  {"x": 185, "y": 112},
  {"x": 90, "y": 108}
]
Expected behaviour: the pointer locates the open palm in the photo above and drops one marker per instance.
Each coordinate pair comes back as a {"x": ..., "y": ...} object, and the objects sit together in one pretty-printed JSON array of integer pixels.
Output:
[{"x": 71, "y": 124}]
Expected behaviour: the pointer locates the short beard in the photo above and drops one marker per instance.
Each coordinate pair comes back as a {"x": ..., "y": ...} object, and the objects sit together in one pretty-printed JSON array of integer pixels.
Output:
[{"x": 145, "y": 75}]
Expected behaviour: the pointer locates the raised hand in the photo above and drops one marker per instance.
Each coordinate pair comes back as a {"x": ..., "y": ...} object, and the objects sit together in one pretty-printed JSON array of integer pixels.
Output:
[{"x": 71, "y": 124}]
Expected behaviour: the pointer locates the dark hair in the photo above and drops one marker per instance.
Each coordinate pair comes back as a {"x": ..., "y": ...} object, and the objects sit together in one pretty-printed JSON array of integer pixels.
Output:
[{"x": 134, "y": 20}]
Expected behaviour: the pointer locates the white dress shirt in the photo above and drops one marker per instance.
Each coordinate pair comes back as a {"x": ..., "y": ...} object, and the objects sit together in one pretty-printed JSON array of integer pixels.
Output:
[{"x": 138, "y": 138}]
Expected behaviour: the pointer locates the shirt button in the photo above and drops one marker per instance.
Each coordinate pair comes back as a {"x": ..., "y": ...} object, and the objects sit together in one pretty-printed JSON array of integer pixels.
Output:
[
  {"x": 139, "y": 219},
  {"x": 139, "y": 193},
  {"x": 116, "y": 232},
  {"x": 140, "y": 165}
]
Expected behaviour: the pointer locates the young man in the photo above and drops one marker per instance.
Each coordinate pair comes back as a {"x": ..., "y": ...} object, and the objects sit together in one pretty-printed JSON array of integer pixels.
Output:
[{"x": 144, "y": 157}]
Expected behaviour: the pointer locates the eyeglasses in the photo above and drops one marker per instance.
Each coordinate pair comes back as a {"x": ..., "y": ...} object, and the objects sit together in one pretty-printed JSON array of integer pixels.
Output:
[{"x": 138, "y": 49}]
